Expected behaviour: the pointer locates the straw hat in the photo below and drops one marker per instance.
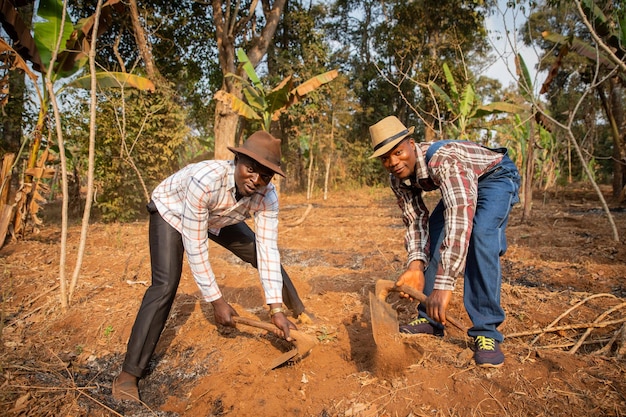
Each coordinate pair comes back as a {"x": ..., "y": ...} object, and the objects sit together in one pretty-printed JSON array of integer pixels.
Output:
[
  {"x": 263, "y": 148},
  {"x": 387, "y": 133}
]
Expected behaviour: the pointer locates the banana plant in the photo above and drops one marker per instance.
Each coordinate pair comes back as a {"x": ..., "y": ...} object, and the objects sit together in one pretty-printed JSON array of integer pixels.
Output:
[
  {"x": 610, "y": 29},
  {"x": 52, "y": 27},
  {"x": 261, "y": 106},
  {"x": 72, "y": 56},
  {"x": 608, "y": 50},
  {"x": 466, "y": 109}
]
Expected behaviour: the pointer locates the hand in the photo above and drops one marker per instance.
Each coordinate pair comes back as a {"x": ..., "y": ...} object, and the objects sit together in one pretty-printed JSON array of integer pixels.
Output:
[
  {"x": 283, "y": 325},
  {"x": 412, "y": 277},
  {"x": 223, "y": 312},
  {"x": 436, "y": 305}
]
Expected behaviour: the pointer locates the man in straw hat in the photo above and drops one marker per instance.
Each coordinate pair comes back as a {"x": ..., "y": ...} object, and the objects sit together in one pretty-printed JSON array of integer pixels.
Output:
[
  {"x": 210, "y": 200},
  {"x": 464, "y": 233}
]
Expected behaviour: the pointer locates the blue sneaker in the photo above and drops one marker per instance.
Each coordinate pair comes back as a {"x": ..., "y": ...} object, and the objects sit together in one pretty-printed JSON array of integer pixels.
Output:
[
  {"x": 487, "y": 352},
  {"x": 421, "y": 326}
]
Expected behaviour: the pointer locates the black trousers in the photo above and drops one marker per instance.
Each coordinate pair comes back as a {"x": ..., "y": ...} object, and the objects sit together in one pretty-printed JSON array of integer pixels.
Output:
[{"x": 166, "y": 257}]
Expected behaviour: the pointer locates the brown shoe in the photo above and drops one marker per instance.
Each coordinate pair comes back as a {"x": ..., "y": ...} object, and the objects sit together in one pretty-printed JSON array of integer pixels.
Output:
[{"x": 126, "y": 390}]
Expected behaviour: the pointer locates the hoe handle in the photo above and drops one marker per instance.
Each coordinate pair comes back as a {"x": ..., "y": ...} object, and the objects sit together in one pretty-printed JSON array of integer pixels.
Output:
[
  {"x": 419, "y": 296},
  {"x": 254, "y": 323}
]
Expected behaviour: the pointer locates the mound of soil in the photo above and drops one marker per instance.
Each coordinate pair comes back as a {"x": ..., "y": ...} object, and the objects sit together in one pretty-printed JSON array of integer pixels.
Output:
[{"x": 563, "y": 292}]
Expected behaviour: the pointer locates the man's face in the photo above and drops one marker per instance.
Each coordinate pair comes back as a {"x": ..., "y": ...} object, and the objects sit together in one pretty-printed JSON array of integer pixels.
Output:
[
  {"x": 401, "y": 160},
  {"x": 250, "y": 175}
]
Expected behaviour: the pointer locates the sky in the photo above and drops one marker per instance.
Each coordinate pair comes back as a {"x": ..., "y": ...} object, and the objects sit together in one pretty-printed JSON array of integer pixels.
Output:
[{"x": 503, "y": 32}]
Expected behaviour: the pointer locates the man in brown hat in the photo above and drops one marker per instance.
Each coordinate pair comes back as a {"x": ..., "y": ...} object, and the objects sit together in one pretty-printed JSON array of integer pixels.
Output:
[
  {"x": 464, "y": 233},
  {"x": 210, "y": 200}
]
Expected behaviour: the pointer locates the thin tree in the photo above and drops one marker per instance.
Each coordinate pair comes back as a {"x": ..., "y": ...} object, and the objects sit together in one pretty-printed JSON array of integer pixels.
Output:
[
  {"x": 64, "y": 208},
  {"x": 92, "y": 152}
]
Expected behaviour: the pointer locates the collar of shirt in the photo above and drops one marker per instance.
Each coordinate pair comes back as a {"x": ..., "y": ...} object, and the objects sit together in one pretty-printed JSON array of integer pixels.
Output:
[{"x": 421, "y": 167}]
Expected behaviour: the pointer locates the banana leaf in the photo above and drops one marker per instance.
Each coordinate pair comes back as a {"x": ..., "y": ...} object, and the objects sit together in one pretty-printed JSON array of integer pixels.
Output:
[
  {"x": 48, "y": 28},
  {"x": 450, "y": 80},
  {"x": 114, "y": 80},
  {"x": 237, "y": 105},
  {"x": 248, "y": 68},
  {"x": 467, "y": 101},
  {"x": 581, "y": 47},
  {"x": 309, "y": 85},
  {"x": 524, "y": 82},
  {"x": 446, "y": 98},
  {"x": 498, "y": 107},
  {"x": 278, "y": 98}
]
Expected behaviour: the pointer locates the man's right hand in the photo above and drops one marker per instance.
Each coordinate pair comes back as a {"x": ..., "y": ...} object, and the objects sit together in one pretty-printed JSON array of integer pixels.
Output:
[
  {"x": 283, "y": 325},
  {"x": 413, "y": 277},
  {"x": 223, "y": 312}
]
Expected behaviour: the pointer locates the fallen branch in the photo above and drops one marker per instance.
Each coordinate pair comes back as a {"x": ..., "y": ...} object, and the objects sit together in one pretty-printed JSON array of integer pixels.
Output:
[
  {"x": 30, "y": 313},
  {"x": 569, "y": 311},
  {"x": 568, "y": 327},
  {"x": 570, "y": 344},
  {"x": 301, "y": 219},
  {"x": 588, "y": 332},
  {"x": 609, "y": 345},
  {"x": 49, "y": 290}
]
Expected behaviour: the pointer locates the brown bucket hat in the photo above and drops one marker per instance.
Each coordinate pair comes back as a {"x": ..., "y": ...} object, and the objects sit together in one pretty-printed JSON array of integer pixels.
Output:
[
  {"x": 264, "y": 149},
  {"x": 387, "y": 133}
]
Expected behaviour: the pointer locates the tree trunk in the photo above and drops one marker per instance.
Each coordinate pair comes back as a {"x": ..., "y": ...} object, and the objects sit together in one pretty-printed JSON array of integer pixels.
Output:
[
  {"x": 14, "y": 109},
  {"x": 144, "y": 47},
  {"x": 227, "y": 29},
  {"x": 327, "y": 176},
  {"x": 529, "y": 172},
  {"x": 92, "y": 153},
  {"x": 12, "y": 122},
  {"x": 430, "y": 135},
  {"x": 225, "y": 131},
  {"x": 616, "y": 103},
  {"x": 614, "y": 111}
]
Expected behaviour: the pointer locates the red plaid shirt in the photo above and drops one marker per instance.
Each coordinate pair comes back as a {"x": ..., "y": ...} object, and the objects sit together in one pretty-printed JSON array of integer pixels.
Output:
[
  {"x": 455, "y": 169},
  {"x": 201, "y": 198}
]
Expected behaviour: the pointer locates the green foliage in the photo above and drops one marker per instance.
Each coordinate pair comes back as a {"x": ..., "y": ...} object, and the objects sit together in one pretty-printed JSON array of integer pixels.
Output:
[
  {"x": 135, "y": 129},
  {"x": 362, "y": 170},
  {"x": 580, "y": 68},
  {"x": 465, "y": 110},
  {"x": 108, "y": 331},
  {"x": 47, "y": 29},
  {"x": 261, "y": 105}
]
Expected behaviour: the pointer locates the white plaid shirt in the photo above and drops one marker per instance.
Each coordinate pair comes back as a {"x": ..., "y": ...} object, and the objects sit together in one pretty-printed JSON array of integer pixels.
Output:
[{"x": 201, "y": 198}]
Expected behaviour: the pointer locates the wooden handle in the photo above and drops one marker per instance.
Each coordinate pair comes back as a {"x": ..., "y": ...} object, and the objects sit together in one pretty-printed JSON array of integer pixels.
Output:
[
  {"x": 419, "y": 296},
  {"x": 303, "y": 341},
  {"x": 254, "y": 323}
]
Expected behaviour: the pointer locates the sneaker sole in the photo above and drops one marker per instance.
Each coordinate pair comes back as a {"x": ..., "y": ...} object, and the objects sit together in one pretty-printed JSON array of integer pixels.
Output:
[{"x": 490, "y": 365}]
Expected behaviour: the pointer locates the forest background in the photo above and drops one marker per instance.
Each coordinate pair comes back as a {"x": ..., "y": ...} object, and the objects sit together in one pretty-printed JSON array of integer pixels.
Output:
[{"x": 102, "y": 101}]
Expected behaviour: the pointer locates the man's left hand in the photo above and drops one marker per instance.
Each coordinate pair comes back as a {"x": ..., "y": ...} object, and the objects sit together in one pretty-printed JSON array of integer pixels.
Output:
[{"x": 436, "y": 305}]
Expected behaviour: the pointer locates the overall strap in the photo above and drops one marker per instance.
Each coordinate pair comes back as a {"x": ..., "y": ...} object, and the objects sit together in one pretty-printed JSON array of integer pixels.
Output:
[{"x": 435, "y": 146}]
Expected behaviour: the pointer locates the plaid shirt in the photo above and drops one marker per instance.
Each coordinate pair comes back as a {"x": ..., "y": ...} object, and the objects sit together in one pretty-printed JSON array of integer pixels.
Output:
[
  {"x": 454, "y": 169},
  {"x": 201, "y": 198}
]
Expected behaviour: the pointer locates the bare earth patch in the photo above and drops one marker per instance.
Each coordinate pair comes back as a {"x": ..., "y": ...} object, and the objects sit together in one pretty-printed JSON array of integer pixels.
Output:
[{"x": 561, "y": 263}]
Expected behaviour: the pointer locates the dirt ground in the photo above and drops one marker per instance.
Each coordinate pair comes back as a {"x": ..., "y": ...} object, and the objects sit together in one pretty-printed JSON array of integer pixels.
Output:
[{"x": 563, "y": 270}]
